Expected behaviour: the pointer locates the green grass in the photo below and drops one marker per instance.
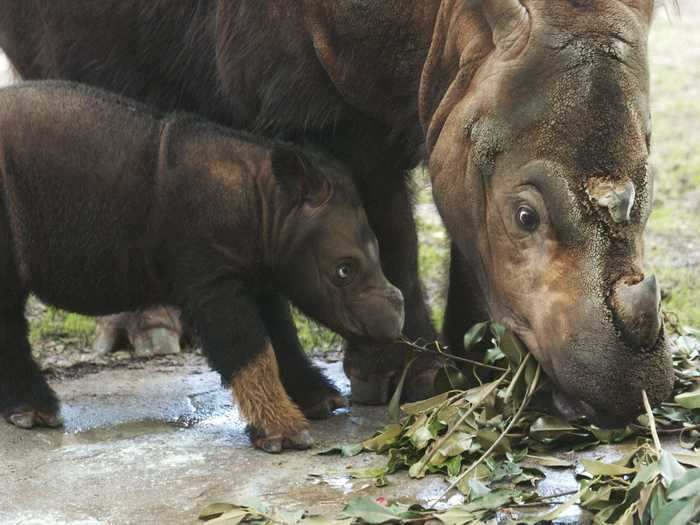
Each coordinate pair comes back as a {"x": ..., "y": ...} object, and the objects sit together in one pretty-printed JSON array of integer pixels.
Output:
[{"x": 55, "y": 324}]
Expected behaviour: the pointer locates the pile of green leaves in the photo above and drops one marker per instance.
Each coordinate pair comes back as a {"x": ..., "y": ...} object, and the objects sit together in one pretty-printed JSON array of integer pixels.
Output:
[
  {"x": 448, "y": 433},
  {"x": 648, "y": 486},
  {"x": 482, "y": 510}
]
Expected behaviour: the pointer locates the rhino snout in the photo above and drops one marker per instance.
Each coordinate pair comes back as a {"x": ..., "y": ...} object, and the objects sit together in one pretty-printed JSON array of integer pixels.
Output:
[{"x": 382, "y": 314}]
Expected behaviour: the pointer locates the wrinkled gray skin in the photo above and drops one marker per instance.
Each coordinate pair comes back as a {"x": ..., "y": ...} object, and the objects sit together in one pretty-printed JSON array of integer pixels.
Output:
[{"x": 556, "y": 127}]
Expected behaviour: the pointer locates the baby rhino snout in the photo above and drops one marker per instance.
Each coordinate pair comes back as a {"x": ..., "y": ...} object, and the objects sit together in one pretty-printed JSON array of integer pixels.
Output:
[{"x": 382, "y": 315}]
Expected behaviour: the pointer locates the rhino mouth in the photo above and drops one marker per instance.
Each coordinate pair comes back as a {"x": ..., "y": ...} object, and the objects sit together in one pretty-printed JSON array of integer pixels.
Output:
[{"x": 607, "y": 411}]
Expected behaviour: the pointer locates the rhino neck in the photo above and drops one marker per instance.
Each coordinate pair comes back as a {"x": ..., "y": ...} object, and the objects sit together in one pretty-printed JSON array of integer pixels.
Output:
[{"x": 374, "y": 52}]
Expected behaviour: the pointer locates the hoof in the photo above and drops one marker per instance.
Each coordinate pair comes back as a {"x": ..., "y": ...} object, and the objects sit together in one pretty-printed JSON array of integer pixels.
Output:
[
  {"x": 378, "y": 389},
  {"x": 372, "y": 390},
  {"x": 33, "y": 418},
  {"x": 419, "y": 386},
  {"x": 104, "y": 343},
  {"x": 157, "y": 341},
  {"x": 325, "y": 408},
  {"x": 275, "y": 444}
]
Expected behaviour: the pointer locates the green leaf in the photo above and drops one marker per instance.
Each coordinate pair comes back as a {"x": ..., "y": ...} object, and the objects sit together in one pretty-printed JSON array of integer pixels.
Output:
[
  {"x": 692, "y": 460},
  {"x": 369, "y": 472},
  {"x": 686, "y": 486},
  {"x": 670, "y": 468},
  {"x": 388, "y": 437},
  {"x": 492, "y": 501},
  {"x": 289, "y": 517},
  {"x": 598, "y": 468},
  {"x": 677, "y": 512},
  {"x": 477, "y": 489},
  {"x": 233, "y": 517},
  {"x": 413, "y": 409},
  {"x": 215, "y": 509},
  {"x": 395, "y": 403},
  {"x": 475, "y": 335},
  {"x": 457, "y": 516},
  {"x": 689, "y": 400},
  {"x": 512, "y": 348},
  {"x": 550, "y": 515},
  {"x": 347, "y": 450},
  {"x": 372, "y": 512},
  {"x": 322, "y": 520},
  {"x": 549, "y": 461}
]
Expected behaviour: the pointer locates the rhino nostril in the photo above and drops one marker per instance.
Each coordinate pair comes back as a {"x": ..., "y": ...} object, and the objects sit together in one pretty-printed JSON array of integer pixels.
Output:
[{"x": 636, "y": 306}]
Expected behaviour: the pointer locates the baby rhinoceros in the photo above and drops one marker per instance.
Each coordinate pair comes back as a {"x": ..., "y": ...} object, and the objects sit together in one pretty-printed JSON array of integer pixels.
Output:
[{"x": 108, "y": 206}]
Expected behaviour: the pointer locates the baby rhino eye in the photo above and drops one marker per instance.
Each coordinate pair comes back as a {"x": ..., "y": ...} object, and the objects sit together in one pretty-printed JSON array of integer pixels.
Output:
[{"x": 527, "y": 218}]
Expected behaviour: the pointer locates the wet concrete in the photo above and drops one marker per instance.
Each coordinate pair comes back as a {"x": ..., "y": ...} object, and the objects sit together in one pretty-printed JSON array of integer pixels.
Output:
[{"x": 154, "y": 443}]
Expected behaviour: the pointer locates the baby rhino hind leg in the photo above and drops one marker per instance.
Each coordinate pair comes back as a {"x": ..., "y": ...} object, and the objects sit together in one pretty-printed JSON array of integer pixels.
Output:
[{"x": 275, "y": 421}]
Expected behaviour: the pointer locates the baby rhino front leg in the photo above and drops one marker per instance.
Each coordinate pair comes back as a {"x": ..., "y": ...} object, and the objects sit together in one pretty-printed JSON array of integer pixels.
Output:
[
  {"x": 275, "y": 422},
  {"x": 226, "y": 317}
]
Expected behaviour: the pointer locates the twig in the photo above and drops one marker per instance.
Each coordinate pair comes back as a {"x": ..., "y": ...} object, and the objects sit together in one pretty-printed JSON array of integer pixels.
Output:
[
  {"x": 652, "y": 421},
  {"x": 440, "y": 351},
  {"x": 485, "y": 455},
  {"x": 518, "y": 373},
  {"x": 674, "y": 430},
  {"x": 542, "y": 500}
]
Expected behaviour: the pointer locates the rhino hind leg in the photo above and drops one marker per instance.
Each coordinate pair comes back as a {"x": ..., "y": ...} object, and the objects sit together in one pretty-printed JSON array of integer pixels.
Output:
[
  {"x": 155, "y": 331},
  {"x": 26, "y": 399},
  {"x": 305, "y": 383}
]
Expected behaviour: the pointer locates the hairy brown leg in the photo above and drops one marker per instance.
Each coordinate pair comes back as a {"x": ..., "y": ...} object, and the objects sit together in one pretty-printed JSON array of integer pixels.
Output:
[{"x": 275, "y": 421}]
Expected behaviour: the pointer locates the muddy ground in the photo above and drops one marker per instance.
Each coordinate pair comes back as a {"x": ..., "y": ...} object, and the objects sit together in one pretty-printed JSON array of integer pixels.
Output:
[{"x": 152, "y": 441}]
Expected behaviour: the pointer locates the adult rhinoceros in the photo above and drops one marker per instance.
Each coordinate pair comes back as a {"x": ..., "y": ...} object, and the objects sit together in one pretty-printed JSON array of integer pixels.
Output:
[{"x": 532, "y": 115}]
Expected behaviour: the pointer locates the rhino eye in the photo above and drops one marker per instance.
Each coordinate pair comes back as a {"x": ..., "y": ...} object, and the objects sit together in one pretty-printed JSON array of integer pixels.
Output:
[
  {"x": 344, "y": 273},
  {"x": 527, "y": 218}
]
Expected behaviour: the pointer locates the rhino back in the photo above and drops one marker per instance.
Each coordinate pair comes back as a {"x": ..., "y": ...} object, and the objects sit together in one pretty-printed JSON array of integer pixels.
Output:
[{"x": 77, "y": 170}]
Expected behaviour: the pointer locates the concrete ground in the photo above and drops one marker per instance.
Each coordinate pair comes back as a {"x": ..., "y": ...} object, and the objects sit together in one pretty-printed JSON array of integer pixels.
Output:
[{"x": 153, "y": 442}]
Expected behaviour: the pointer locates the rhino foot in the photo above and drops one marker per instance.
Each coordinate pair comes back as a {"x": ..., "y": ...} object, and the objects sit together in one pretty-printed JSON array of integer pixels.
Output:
[
  {"x": 324, "y": 408},
  {"x": 276, "y": 443},
  {"x": 30, "y": 418}
]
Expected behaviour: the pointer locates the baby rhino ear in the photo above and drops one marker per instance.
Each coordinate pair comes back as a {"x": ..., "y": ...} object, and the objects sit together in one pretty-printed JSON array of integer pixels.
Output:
[{"x": 297, "y": 176}]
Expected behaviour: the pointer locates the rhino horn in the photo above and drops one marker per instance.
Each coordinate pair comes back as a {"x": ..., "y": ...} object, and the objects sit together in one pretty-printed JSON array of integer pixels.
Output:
[{"x": 618, "y": 198}]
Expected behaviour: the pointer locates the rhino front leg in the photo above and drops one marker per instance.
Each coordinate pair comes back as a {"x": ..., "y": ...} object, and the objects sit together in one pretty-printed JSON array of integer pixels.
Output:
[
  {"x": 374, "y": 371},
  {"x": 236, "y": 341},
  {"x": 465, "y": 306},
  {"x": 156, "y": 331},
  {"x": 275, "y": 422}
]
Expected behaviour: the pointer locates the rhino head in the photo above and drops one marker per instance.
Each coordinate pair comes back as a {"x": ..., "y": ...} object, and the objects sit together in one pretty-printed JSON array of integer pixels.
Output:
[{"x": 546, "y": 135}]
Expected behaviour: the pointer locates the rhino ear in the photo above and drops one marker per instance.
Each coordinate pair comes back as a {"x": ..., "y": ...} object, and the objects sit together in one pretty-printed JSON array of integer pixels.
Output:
[
  {"x": 298, "y": 177},
  {"x": 504, "y": 17}
]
